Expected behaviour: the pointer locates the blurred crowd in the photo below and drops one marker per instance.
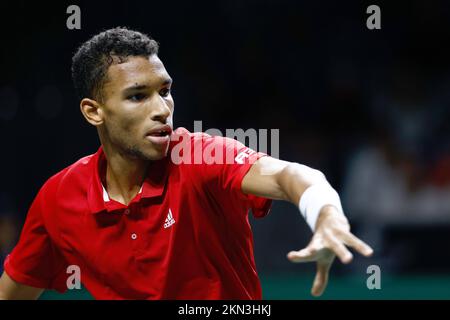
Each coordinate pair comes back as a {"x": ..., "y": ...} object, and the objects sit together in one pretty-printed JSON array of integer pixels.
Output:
[{"x": 397, "y": 184}]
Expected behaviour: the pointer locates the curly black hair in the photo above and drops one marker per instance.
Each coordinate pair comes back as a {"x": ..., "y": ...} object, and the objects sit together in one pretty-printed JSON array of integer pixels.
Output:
[{"x": 91, "y": 61}]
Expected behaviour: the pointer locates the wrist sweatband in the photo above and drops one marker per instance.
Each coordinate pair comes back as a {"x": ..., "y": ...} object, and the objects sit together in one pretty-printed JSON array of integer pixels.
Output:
[{"x": 314, "y": 198}]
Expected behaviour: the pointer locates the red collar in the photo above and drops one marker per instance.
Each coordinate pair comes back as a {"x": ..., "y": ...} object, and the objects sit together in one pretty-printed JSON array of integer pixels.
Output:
[{"x": 153, "y": 185}]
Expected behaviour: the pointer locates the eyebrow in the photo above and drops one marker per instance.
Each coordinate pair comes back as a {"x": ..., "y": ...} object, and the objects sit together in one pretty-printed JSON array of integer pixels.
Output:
[{"x": 138, "y": 87}]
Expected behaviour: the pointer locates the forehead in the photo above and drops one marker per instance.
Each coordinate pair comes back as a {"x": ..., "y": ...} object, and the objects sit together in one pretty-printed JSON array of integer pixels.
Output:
[{"x": 136, "y": 70}]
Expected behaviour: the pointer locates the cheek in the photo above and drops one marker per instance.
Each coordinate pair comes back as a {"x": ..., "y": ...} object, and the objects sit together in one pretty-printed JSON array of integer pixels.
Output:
[
  {"x": 123, "y": 127},
  {"x": 124, "y": 118}
]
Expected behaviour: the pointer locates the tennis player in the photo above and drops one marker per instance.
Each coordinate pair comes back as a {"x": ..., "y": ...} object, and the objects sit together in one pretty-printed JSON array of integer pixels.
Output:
[{"x": 143, "y": 218}]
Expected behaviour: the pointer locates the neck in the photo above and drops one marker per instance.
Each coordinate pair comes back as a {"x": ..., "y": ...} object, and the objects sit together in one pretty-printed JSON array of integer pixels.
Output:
[{"x": 124, "y": 175}]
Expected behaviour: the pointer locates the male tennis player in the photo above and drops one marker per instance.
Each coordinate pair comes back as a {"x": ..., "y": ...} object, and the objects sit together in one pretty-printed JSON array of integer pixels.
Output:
[{"x": 141, "y": 224}]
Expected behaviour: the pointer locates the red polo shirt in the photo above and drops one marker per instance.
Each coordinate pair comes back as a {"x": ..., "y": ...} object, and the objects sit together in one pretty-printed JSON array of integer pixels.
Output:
[{"x": 185, "y": 235}]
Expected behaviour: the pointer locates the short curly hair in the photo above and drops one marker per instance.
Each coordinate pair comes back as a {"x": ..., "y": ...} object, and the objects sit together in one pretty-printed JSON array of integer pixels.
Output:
[{"x": 91, "y": 61}]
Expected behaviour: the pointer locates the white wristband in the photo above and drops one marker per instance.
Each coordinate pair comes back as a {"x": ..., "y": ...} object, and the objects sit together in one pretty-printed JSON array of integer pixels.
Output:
[{"x": 315, "y": 198}]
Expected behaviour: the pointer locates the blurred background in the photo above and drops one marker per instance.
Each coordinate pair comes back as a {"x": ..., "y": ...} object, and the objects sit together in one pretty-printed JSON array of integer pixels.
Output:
[{"x": 369, "y": 108}]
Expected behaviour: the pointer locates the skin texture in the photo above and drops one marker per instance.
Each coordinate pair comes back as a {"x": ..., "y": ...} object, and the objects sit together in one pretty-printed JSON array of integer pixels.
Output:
[
  {"x": 12, "y": 290},
  {"x": 277, "y": 179},
  {"x": 124, "y": 116}
]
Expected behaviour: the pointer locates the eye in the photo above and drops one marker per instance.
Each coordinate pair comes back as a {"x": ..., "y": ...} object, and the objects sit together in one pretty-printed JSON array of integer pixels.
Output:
[
  {"x": 164, "y": 92},
  {"x": 137, "y": 97}
]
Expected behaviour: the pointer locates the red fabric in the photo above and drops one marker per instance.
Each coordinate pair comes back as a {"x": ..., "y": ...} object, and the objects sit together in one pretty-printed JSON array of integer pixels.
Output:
[{"x": 206, "y": 251}]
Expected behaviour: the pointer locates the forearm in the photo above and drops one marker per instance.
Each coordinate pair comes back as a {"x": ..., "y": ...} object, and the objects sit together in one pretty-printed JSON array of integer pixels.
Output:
[
  {"x": 319, "y": 204},
  {"x": 280, "y": 180},
  {"x": 301, "y": 185},
  {"x": 308, "y": 189},
  {"x": 295, "y": 178}
]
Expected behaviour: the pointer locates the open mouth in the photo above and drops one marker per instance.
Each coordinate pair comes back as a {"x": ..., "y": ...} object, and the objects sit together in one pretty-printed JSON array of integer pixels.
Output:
[
  {"x": 160, "y": 136},
  {"x": 160, "y": 133}
]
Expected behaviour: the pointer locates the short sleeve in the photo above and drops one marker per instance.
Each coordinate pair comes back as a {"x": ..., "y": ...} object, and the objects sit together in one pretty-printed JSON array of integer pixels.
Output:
[
  {"x": 35, "y": 261},
  {"x": 226, "y": 162}
]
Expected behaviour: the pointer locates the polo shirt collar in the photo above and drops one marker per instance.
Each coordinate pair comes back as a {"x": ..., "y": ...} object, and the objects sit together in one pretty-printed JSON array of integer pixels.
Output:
[
  {"x": 98, "y": 198},
  {"x": 106, "y": 196}
]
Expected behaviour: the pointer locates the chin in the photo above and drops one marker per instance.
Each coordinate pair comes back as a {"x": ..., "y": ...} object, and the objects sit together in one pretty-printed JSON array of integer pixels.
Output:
[
  {"x": 158, "y": 157},
  {"x": 157, "y": 154},
  {"x": 148, "y": 154}
]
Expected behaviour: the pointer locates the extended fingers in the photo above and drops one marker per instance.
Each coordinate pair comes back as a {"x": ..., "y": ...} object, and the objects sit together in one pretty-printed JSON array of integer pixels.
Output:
[
  {"x": 321, "y": 279},
  {"x": 338, "y": 248},
  {"x": 354, "y": 242},
  {"x": 305, "y": 255}
]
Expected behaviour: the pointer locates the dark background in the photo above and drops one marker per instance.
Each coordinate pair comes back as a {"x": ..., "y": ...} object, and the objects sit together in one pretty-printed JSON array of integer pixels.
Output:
[{"x": 369, "y": 108}]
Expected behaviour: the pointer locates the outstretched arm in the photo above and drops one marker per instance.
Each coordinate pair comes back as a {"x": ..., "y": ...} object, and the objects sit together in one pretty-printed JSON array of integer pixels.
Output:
[{"x": 276, "y": 179}]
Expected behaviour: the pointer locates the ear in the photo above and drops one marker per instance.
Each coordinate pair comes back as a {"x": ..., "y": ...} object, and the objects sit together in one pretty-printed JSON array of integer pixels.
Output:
[{"x": 92, "y": 111}]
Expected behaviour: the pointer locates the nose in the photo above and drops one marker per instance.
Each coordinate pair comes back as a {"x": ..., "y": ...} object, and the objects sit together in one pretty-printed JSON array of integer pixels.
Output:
[{"x": 160, "y": 110}]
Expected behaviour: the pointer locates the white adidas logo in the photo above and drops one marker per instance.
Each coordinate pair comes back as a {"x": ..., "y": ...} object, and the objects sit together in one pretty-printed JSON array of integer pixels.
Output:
[{"x": 169, "y": 220}]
